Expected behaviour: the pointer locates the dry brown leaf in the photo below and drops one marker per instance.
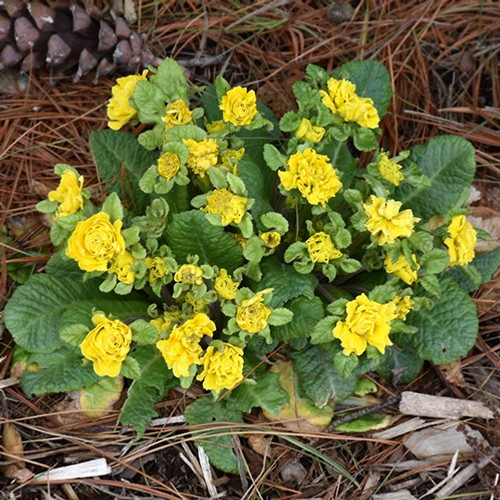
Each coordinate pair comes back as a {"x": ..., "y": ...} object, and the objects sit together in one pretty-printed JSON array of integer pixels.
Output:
[
  {"x": 13, "y": 445},
  {"x": 489, "y": 220},
  {"x": 260, "y": 444},
  {"x": 452, "y": 372}
]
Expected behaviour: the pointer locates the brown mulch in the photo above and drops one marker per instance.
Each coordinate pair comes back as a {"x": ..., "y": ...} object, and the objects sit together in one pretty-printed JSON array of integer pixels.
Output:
[{"x": 443, "y": 57}]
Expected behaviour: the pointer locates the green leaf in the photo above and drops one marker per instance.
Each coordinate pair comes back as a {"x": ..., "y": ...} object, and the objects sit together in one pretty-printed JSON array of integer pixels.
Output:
[
  {"x": 318, "y": 377},
  {"x": 121, "y": 161},
  {"x": 273, "y": 157},
  {"x": 218, "y": 448},
  {"x": 345, "y": 365},
  {"x": 265, "y": 392},
  {"x": 486, "y": 263},
  {"x": 152, "y": 139},
  {"x": 143, "y": 332},
  {"x": 371, "y": 79},
  {"x": 364, "y": 139},
  {"x": 306, "y": 313},
  {"x": 181, "y": 132},
  {"x": 435, "y": 261},
  {"x": 147, "y": 390},
  {"x": 170, "y": 78},
  {"x": 44, "y": 304},
  {"x": 449, "y": 163},
  {"x": 280, "y": 316},
  {"x": 61, "y": 266},
  {"x": 75, "y": 334},
  {"x": 258, "y": 181},
  {"x": 150, "y": 102},
  {"x": 274, "y": 220},
  {"x": 323, "y": 330},
  {"x": 66, "y": 372},
  {"x": 400, "y": 363},
  {"x": 449, "y": 330},
  {"x": 289, "y": 122},
  {"x": 130, "y": 368},
  {"x": 285, "y": 281},
  {"x": 211, "y": 243},
  {"x": 366, "y": 423},
  {"x": 47, "y": 206},
  {"x": 431, "y": 284}
]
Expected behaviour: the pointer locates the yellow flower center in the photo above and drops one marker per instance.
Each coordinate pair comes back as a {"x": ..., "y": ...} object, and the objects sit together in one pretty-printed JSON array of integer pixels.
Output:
[
  {"x": 168, "y": 165},
  {"x": 239, "y": 106},
  {"x": 461, "y": 241},
  {"x": 229, "y": 206}
]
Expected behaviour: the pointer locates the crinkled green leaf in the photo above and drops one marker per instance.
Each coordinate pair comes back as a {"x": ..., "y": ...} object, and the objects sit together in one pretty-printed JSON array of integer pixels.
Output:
[
  {"x": 121, "y": 161},
  {"x": 449, "y": 163},
  {"x": 400, "y": 363},
  {"x": 371, "y": 79},
  {"x": 147, "y": 390},
  {"x": 265, "y": 392},
  {"x": 44, "y": 304},
  {"x": 61, "y": 266},
  {"x": 189, "y": 233},
  {"x": 63, "y": 372},
  {"x": 306, "y": 313},
  {"x": 317, "y": 376},
  {"x": 448, "y": 331},
  {"x": 285, "y": 281},
  {"x": 486, "y": 263},
  {"x": 143, "y": 332},
  {"x": 170, "y": 78},
  {"x": 218, "y": 448}
]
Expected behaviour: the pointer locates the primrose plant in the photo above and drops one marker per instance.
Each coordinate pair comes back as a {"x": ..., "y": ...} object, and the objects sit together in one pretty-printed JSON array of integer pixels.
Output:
[{"x": 262, "y": 261}]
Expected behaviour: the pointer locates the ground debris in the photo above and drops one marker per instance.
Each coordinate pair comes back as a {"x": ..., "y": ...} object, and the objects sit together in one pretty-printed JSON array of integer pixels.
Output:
[{"x": 425, "y": 405}]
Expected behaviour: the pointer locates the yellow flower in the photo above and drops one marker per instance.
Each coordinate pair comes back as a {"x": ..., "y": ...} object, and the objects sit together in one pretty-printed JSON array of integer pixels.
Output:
[
  {"x": 189, "y": 274},
  {"x": 120, "y": 111},
  {"x": 222, "y": 369},
  {"x": 197, "y": 305},
  {"x": 182, "y": 348},
  {"x": 168, "y": 165},
  {"x": 312, "y": 175},
  {"x": 321, "y": 249},
  {"x": 367, "y": 323},
  {"x": 361, "y": 111},
  {"x": 239, "y": 106},
  {"x": 402, "y": 268},
  {"x": 461, "y": 241},
  {"x": 390, "y": 170},
  {"x": 157, "y": 269},
  {"x": 202, "y": 155},
  {"x": 68, "y": 194},
  {"x": 340, "y": 92},
  {"x": 385, "y": 221},
  {"x": 95, "y": 242},
  {"x": 271, "y": 239},
  {"x": 342, "y": 100},
  {"x": 306, "y": 130},
  {"x": 225, "y": 287},
  {"x": 120, "y": 266},
  {"x": 164, "y": 323},
  {"x": 229, "y": 206},
  {"x": 403, "y": 306},
  {"x": 252, "y": 315},
  {"x": 176, "y": 113},
  {"x": 107, "y": 345},
  {"x": 215, "y": 126},
  {"x": 231, "y": 157}
]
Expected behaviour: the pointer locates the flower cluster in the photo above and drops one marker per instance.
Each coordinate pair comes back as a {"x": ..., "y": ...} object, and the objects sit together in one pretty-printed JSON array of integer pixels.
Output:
[{"x": 232, "y": 240}]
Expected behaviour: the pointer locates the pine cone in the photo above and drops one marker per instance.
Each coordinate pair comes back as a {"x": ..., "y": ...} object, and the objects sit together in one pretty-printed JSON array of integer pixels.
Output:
[{"x": 67, "y": 40}]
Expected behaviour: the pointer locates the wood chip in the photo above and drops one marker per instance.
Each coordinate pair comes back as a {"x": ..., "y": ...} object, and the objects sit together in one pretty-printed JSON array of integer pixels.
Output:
[
  {"x": 207, "y": 472},
  {"x": 396, "y": 495},
  {"x": 404, "y": 428},
  {"x": 91, "y": 468},
  {"x": 425, "y": 405},
  {"x": 443, "y": 441}
]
